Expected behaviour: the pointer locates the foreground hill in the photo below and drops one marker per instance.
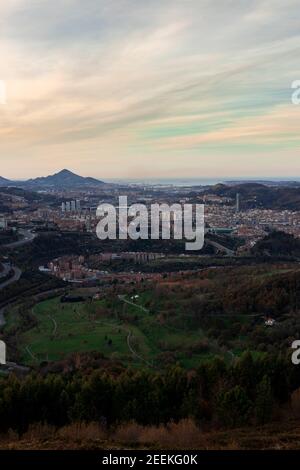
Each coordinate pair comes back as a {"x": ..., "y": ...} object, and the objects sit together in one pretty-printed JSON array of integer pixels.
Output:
[
  {"x": 182, "y": 436},
  {"x": 217, "y": 406}
]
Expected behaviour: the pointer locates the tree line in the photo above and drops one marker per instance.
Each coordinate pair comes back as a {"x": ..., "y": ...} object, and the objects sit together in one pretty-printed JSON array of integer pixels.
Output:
[{"x": 216, "y": 394}]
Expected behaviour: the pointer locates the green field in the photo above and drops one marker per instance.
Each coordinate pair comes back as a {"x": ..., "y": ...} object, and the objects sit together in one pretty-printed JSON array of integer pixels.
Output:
[
  {"x": 118, "y": 330},
  {"x": 65, "y": 328},
  {"x": 185, "y": 320}
]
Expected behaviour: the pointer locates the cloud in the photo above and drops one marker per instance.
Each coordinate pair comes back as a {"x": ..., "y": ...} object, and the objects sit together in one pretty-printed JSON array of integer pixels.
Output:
[{"x": 137, "y": 78}]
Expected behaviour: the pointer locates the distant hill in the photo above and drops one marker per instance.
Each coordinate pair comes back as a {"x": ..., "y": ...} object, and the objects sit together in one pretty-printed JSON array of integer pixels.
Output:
[
  {"x": 255, "y": 195},
  {"x": 290, "y": 183},
  {"x": 64, "y": 179},
  {"x": 4, "y": 181}
]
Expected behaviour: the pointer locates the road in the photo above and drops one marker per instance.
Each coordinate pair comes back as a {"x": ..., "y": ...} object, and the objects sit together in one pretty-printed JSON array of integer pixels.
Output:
[
  {"x": 28, "y": 237},
  {"x": 220, "y": 247},
  {"x": 16, "y": 276},
  {"x": 6, "y": 269}
]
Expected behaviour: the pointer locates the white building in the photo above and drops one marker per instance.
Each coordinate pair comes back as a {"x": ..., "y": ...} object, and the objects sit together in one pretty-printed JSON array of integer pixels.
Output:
[
  {"x": 2, "y": 353},
  {"x": 71, "y": 206},
  {"x": 3, "y": 223}
]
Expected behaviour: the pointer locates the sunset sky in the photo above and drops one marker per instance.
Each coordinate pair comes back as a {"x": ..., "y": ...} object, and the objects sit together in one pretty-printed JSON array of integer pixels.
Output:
[{"x": 150, "y": 88}]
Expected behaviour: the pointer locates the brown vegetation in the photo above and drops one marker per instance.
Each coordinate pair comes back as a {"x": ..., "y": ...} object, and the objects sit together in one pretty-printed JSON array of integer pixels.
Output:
[{"x": 183, "y": 435}]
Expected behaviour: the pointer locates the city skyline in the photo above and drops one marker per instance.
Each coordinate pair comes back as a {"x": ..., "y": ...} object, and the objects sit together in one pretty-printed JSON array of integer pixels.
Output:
[{"x": 134, "y": 89}]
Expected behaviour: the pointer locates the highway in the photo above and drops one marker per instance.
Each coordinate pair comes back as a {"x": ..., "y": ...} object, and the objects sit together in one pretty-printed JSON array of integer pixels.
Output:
[
  {"x": 28, "y": 237},
  {"x": 220, "y": 247},
  {"x": 6, "y": 269},
  {"x": 16, "y": 276}
]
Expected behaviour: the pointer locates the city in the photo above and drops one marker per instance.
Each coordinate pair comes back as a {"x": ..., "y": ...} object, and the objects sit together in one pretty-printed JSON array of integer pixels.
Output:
[{"x": 149, "y": 232}]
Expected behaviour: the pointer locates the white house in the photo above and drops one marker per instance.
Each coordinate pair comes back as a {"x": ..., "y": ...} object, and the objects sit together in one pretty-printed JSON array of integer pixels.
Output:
[{"x": 270, "y": 322}]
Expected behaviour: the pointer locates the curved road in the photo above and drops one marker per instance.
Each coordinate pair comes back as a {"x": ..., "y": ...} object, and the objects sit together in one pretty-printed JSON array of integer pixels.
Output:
[
  {"x": 16, "y": 276},
  {"x": 28, "y": 237},
  {"x": 6, "y": 269},
  {"x": 220, "y": 247}
]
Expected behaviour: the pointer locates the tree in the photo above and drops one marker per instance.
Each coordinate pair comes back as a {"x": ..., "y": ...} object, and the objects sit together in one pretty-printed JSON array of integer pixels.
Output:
[
  {"x": 234, "y": 406},
  {"x": 264, "y": 401}
]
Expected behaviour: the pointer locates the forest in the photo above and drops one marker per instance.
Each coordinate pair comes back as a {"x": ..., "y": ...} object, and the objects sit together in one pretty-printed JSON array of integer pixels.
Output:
[{"x": 215, "y": 395}]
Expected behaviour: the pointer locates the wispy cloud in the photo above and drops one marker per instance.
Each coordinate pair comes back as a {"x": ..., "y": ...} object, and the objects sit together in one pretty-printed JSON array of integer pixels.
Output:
[{"x": 115, "y": 84}]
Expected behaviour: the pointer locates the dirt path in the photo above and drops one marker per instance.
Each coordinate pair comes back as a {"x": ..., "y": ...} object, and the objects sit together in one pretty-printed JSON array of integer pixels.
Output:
[
  {"x": 31, "y": 354},
  {"x": 54, "y": 325},
  {"x": 129, "y": 335},
  {"x": 140, "y": 307},
  {"x": 135, "y": 353}
]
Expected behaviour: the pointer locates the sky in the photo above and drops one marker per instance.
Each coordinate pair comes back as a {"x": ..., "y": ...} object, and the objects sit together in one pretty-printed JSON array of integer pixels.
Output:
[{"x": 150, "y": 88}]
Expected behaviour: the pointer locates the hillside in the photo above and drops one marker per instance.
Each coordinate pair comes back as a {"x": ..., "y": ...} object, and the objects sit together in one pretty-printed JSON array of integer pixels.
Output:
[
  {"x": 9, "y": 196},
  {"x": 184, "y": 435},
  {"x": 277, "y": 244},
  {"x": 255, "y": 195},
  {"x": 4, "y": 181},
  {"x": 185, "y": 319}
]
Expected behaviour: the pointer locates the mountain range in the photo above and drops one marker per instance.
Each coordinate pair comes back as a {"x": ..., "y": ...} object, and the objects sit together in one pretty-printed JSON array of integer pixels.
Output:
[{"x": 62, "y": 179}]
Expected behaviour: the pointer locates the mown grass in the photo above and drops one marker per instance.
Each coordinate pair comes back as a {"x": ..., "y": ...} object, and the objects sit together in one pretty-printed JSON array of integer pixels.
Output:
[
  {"x": 78, "y": 330},
  {"x": 65, "y": 328}
]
